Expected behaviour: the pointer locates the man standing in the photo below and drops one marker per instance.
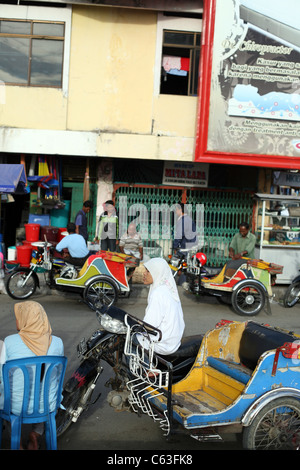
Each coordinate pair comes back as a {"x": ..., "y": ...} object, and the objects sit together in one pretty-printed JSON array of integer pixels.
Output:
[
  {"x": 81, "y": 220},
  {"x": 107, "y": 229},
  {"x": 243, "y": 243},
  {"x": 185, "y": 230}
]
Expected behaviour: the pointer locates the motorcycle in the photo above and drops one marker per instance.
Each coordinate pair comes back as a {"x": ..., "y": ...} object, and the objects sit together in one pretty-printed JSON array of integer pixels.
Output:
[
  {"x": 178, "y": 262},
  {"x": 244, "y": 283},
  {"x": 102, "y": 278},
  {"x": 292, "y": 294},
  {"x": 107, "y": 345}
]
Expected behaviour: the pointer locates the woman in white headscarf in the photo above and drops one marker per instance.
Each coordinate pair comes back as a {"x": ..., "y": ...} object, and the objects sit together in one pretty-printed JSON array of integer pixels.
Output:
[{"x": 164, "y": 309}]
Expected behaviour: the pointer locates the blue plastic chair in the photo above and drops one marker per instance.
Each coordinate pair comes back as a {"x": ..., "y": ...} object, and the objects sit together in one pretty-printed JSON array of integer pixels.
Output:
[{"x": 36, "y": 393}]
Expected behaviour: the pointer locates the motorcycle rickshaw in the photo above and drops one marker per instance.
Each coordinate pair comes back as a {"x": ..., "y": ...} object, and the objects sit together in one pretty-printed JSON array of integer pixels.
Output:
[
  {"x": 101, "y": 280},
  {"x": 245, "y": 379},
  {"x": 245, "y": 283}
]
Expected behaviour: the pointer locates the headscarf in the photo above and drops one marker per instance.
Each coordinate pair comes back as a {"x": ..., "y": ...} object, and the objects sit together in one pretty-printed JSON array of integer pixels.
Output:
[
  {"x": 34, "y": 327},
  {"x": 162, "y": 275}
]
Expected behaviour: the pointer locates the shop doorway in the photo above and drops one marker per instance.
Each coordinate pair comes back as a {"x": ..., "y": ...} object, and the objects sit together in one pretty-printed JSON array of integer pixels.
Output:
[{"x": 74, "y": 193}]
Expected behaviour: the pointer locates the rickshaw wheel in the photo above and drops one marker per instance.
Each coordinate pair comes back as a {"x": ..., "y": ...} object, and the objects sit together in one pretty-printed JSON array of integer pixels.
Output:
[
  {"x": 276, "y": 427},
  {"x": 248, "y": 299},
  {"x": 292, "y": 295},
  {"x": 100, "y": 292}
]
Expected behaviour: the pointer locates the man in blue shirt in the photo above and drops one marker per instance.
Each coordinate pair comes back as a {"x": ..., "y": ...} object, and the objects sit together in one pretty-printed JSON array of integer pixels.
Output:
[{"x": 76, "y": 246}]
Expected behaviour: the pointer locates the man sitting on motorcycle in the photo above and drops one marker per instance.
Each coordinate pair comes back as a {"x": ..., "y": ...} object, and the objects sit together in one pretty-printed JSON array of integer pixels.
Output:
[{"x": 76, "y": 250}]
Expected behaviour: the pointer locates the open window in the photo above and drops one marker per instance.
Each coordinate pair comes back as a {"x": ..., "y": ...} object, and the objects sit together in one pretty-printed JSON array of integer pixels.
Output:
[
  {"x": 180, "y": 63},
  {"x": 178, "y": 45}
]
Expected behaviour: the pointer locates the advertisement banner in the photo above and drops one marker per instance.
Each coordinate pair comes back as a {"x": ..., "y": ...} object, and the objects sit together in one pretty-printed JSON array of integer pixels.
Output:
[{"x": 254, "y": 106}]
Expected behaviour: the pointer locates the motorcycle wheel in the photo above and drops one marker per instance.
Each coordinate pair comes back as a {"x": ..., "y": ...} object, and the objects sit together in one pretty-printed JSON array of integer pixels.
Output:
[
  {"x": 14, "y": 285},
  {"x": 292, "y": 295},
  {"x": 276, "y": 427},
  {"x": 100, "y": 292},
  {"x": 249, "y": 299}
]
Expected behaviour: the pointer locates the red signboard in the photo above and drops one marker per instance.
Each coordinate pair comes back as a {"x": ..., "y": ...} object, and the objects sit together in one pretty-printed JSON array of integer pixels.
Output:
[{"x": 249, "y": 84}]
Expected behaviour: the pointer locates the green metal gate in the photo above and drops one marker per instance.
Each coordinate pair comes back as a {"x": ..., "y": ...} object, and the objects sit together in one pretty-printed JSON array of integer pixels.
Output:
[
  {"x": 217, "y": 214},
  {"x": 224, "y": 210}
]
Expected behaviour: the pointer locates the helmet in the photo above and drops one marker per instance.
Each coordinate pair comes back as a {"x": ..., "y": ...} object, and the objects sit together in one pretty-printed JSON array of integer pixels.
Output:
[{"x": 202, "y": 258}]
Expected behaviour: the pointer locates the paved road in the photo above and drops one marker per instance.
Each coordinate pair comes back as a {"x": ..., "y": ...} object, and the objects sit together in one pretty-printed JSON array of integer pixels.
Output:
[{"x": 101, "y": 427}]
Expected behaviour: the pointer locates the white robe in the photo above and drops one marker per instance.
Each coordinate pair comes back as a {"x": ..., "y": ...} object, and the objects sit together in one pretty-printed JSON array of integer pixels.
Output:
[{"x": 164, "y": 309}]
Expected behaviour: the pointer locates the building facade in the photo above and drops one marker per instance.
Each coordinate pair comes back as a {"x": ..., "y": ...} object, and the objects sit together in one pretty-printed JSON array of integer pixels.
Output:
[{"x": 108, "y": 91}]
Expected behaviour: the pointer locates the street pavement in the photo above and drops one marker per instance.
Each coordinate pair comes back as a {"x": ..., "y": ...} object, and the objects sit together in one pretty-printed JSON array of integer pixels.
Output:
[{"x": 101, "y": 427}]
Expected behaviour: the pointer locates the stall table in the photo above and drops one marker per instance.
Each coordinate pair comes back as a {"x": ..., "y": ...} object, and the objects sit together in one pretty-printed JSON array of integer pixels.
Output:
[{"x": 277, "y": 229}]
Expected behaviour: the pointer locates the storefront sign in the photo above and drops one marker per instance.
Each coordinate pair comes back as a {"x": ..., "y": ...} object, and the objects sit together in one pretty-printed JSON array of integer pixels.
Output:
[
  {"x": 282, "y": 178},
  {"x": 186, "y": 174},
  {"x": 252, "y": 95}
]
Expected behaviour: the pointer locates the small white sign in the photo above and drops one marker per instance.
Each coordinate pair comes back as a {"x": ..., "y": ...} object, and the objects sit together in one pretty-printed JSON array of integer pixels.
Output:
[{"x": 186, "y": 174}]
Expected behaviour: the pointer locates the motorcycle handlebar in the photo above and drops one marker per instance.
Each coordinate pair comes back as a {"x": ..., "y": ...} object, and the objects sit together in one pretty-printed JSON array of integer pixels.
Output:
[
  {"x": 149, "y": 328},
  {"x": 127, "y": 318}
]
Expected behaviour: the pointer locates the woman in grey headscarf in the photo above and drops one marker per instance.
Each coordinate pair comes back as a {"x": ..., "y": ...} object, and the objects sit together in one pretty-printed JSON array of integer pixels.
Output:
[{"x": 164, "y": 309}]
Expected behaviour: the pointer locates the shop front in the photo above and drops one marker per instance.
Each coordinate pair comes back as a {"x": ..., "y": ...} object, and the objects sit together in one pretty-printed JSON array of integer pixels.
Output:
[
  {"x": 216, "y": 197},
  {"x": 56, "y": 188},
  {"x": 277, "y": 229}
]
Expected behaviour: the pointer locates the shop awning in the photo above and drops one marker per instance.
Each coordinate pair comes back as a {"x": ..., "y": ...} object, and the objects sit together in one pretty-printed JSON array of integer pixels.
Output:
[{"x": 12, "y": 178}]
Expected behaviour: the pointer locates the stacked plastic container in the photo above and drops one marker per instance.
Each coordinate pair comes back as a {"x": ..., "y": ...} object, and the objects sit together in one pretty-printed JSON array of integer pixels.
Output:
[{"x": 24, "y": 252}]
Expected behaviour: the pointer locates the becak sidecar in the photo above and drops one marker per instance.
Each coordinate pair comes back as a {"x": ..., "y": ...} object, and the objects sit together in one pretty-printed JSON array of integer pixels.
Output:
[
  {"x": 245, "y": 283},
  {"x": 102, "y": 279},
  {"x": 245, "y": 379}
]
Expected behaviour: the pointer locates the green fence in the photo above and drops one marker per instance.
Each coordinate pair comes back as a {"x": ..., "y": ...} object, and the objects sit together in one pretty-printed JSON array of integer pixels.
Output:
[
  {"x": 223, "y": 211},
  {"x": 217, "y": 214}
]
